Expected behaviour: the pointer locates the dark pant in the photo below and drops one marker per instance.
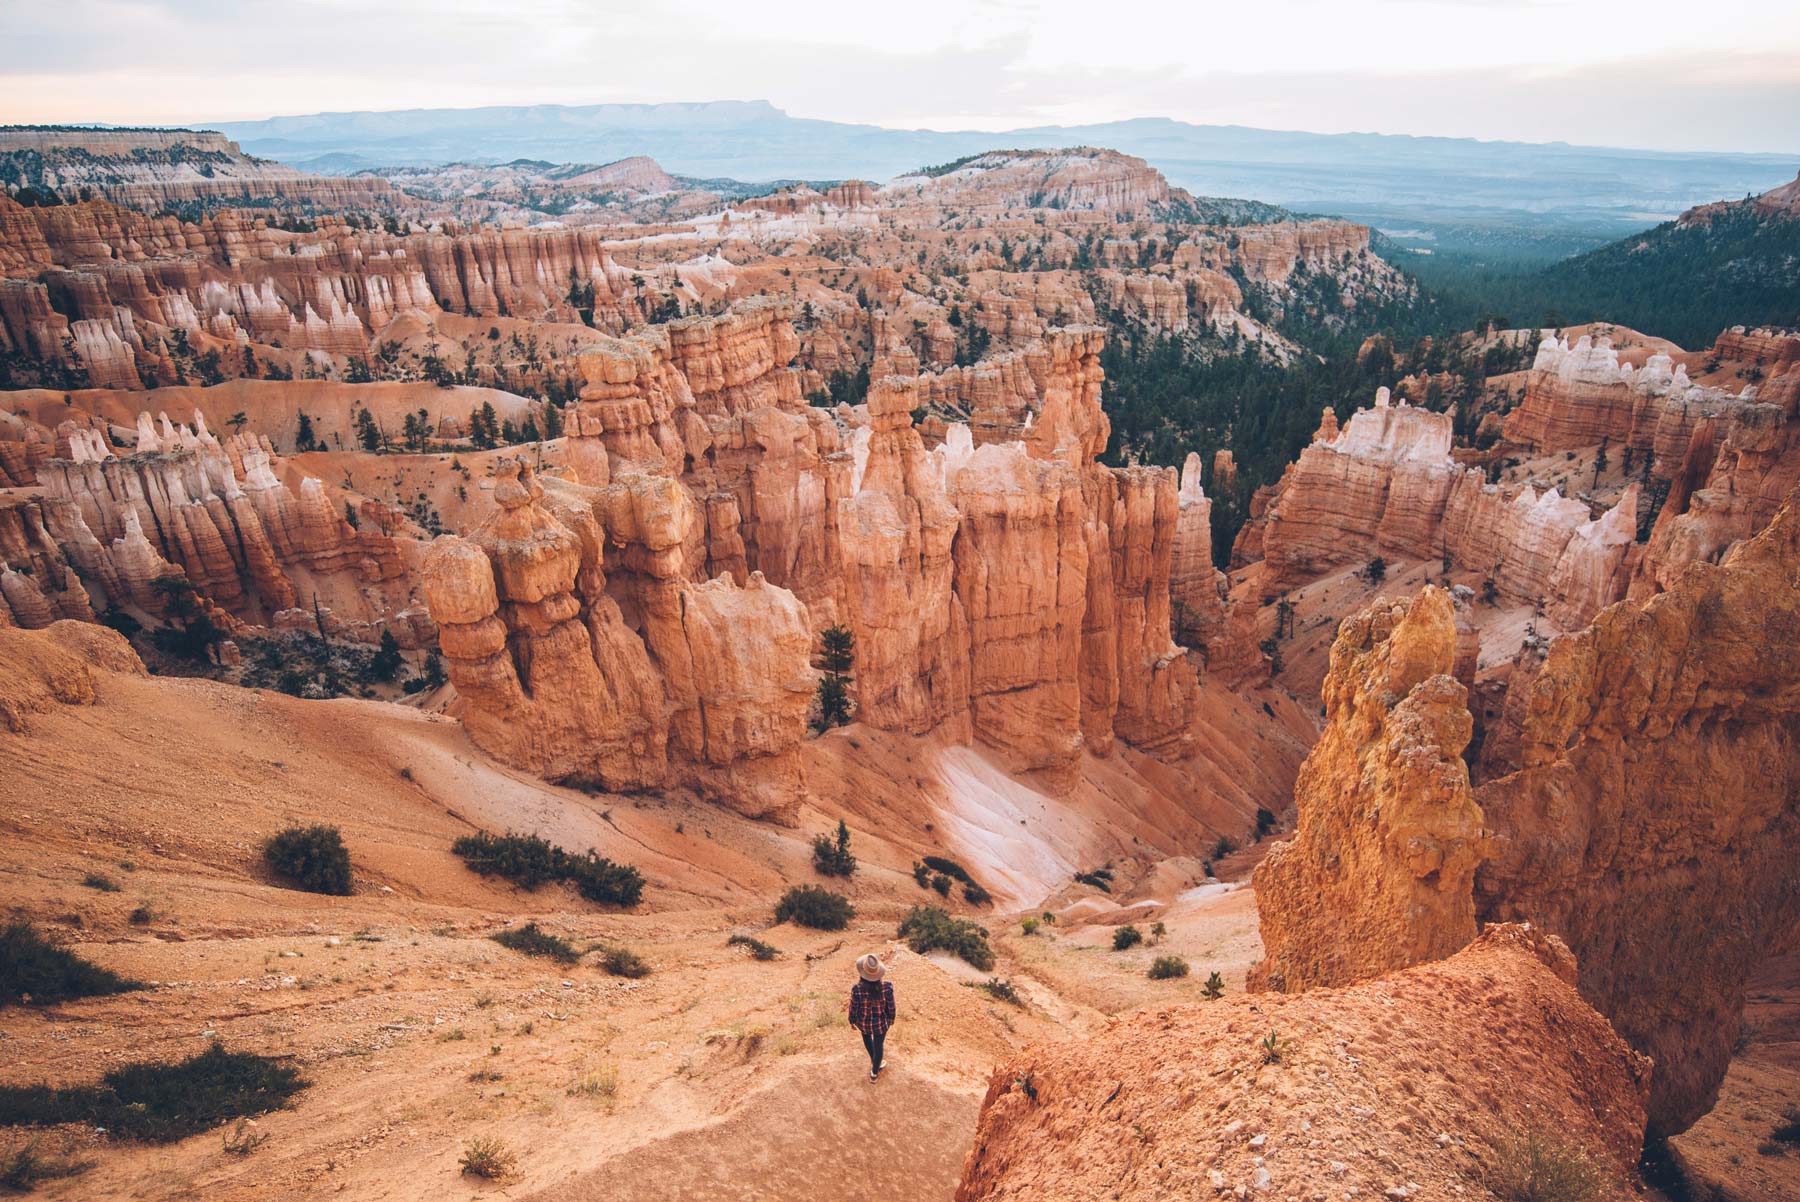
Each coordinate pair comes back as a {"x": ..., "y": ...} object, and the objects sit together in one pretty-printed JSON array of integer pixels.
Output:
[{"x": 873, "y": 1044}]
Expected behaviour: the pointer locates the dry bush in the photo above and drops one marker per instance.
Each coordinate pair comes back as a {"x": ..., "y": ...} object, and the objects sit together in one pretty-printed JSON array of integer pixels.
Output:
[
  {"x": 1540, "y": 1168},
  {"x": 488, "y": 1157},
  {"x": 243, "y": 1138},
  {"x": 597, "y": 1081}
]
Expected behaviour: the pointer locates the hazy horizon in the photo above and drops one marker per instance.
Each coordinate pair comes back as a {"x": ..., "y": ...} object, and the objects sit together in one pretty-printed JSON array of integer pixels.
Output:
[{"x": 1607, "y": 74}]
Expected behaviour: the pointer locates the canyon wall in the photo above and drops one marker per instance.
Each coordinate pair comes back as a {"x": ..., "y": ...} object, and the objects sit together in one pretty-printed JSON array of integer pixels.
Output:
[
  {"x": 1015, "y": 592},
  {"x": 104, "y": 528},
  {"x": 1650, "y": 819},
  {"x": 152, "y": 169},
  {"x": 1582, "y": 395},
  {"x": 712, "y": 687},
  {"x": 108, "y": 292},
  {"x": 1653, "y": 822},
  {"x": 1387, "y": 484}
]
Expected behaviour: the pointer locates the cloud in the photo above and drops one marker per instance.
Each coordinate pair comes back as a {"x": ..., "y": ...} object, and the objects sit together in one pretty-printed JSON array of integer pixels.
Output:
[{"x": 1619, "y": 72}]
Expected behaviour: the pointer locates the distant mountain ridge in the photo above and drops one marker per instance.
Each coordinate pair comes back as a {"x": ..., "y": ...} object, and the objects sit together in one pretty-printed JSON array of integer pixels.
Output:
[
  {"x": 1572, "y": 197},
  {"x": 1718, "y": 265}
]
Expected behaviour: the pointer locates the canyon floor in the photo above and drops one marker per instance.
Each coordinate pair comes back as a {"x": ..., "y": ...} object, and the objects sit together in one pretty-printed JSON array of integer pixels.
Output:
[{"x": 716, "y": 1073}]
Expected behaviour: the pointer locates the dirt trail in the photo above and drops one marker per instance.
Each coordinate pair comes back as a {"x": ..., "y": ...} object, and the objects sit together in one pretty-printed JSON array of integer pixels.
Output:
[{"x": 824, "y": 1133}]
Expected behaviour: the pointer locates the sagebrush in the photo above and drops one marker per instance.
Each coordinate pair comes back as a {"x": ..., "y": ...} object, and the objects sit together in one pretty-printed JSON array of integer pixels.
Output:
[
  {"x": 811, "y": 906},
  {"x": 312, "y": 857},
  {"x": 928, "y": 928},
  {"x": 535, "y": 941},
  {"x": 528, "y": 862},
  {"x": 1542, "y": 1168}
]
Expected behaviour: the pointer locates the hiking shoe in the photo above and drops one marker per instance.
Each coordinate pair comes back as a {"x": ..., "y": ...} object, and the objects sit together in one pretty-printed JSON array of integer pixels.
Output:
[{"x": 874, "y": 1073}]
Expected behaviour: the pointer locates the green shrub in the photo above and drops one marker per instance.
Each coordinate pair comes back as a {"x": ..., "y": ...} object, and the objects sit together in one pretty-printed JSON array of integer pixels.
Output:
[
  {"x": 949, "y": 868},
  {"x": 525, "y": 860},
  {"x": 1029, "y": 926},
  {"x": 103, "y": 883},
  {"x": 928, "y": 928},
  {"x": 1265, "y": 822},
  {"x": 942, "y": 884},
  {"x": 1167, "y": 968},
  {"x": 811, "y": 906},
  {"x": 1048, "y": 917},
  {"x": 1096, "y": 878},
  {"x": 160, "y": 1103},
  {"x": 24, "y": 1167},
  {"x": 600, "y": 880},
  {"x": 1540, "y": 1168},
  {"x": 1274, "y": 1048},
  {"x": 1214, "y": 987},
  {"x": 1126, "y": 936},
  {"x": 313, "y": 857},
  {"x": 1223, "y": 848},
  {"x": 975, "y": 895},
  {"x": 1787, "y": 1131},
  {"x": 34, "y": 969},
  {"x": 758, "y": 949},
  {"x": 533, "y": 941},
  {"x": 623, "y": 962},
  {"x": 528, "y": 861},
  {"x": 921, "y": 875},
  {"x": 833, "y": 858},
  {"x": 1159, "y": 931},
  {"x": 1001, "y": 991}
]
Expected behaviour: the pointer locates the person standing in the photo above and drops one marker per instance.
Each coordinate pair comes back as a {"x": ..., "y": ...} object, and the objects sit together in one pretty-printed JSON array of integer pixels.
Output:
[{"x": 872, "y": 1008}]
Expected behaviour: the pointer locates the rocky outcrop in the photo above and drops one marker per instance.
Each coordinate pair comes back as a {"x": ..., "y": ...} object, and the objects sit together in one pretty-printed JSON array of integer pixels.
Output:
[
  {"x": 153, "y": 169},
  {"x": 896, "y": 532},
  {"x": 1582, "y": 395},
  {"x": 107, "y": 526},
  {"x": 1078, "y": 178},
  {"x": 1379, "y": 872},
  {"x": 58, "y": 665},
  {"x": 1414, "y": 1084},
  {"x": 708, "y": 684},
  {"x": 1386, "y": 484},
  {"x": 1653, "y": 821},
  {"x": 1648, "y": 817},
  {"x": 1196, "y": 587},
  {"x": 114, "y": 293},
  {"x": 1272, "y": 251}
]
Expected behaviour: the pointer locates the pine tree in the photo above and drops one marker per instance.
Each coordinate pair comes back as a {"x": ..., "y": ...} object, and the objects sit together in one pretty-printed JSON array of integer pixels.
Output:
[
  {"x": 838, "y": 647},
  {"x": 834, "y": 703},
  {"x": 367, "y": 432},
  {"x": 832, "y": 857},
  {"x": 837, "y": 655},
  {"x": 387, "y": 657}
]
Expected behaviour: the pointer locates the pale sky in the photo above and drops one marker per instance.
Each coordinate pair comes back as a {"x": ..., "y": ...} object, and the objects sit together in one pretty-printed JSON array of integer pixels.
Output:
[{"x": 1666, "y": 74}]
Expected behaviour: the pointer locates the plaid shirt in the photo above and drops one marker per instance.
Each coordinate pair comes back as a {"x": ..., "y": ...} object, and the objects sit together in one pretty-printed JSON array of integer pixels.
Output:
[{"x": 872, "y": 1006}]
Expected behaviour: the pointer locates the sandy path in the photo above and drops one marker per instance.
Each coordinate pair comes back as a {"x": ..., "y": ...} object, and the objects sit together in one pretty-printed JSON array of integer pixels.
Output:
[{"x": 825, "y": 1132}]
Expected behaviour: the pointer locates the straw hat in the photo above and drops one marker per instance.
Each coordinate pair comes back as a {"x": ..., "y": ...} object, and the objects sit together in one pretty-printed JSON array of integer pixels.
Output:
[{"x": 869, "y": 967}]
